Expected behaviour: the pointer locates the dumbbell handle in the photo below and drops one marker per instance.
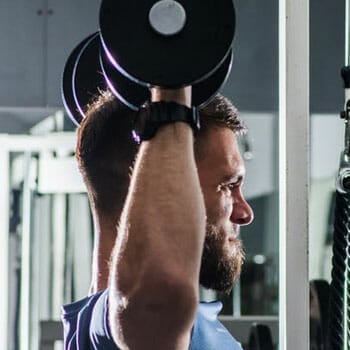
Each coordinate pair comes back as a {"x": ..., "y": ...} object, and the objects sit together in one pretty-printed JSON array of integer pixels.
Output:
[{"x": 181, "y": 96}]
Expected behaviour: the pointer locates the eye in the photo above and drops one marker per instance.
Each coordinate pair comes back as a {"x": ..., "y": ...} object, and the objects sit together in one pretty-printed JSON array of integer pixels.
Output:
[{"x": 230, "y": 186}]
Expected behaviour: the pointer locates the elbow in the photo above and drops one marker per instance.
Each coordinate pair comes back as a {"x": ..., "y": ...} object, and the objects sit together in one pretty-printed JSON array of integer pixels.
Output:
[
  {"x": 167, "y": 294},
  {"x": 165, "y": 288},
  {"x": 174, "y": 289},
  {"x": 164, "y": 305}
]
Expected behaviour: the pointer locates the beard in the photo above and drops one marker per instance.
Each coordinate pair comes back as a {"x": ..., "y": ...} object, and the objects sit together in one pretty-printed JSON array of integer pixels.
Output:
[{"x": 221, "y": 260}]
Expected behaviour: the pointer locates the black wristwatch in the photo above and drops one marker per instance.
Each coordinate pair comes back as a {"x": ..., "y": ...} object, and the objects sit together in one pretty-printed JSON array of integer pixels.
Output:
[{"x": 155, "y": 114}]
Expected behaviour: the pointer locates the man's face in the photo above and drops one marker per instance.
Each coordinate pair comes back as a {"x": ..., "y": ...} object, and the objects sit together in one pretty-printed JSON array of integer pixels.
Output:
[{"x": 221, "y": 173}]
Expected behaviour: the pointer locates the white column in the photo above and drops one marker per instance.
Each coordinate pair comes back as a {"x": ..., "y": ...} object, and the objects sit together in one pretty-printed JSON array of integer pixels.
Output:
[
  {"x": 26, "y": 306},
  {"x": 59, "y": 210},
  {"x": 4, "y": 246},
  {"x": 293, "y": 173}
]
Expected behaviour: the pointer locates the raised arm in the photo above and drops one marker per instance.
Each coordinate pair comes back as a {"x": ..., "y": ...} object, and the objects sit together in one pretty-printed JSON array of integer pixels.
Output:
[{"x": 155, "y": 268}]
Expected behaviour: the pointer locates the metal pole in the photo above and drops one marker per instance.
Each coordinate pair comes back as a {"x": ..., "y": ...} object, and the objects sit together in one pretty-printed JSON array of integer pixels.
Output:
[
  {"x": 25, "y": 293},
  {"x": 293, "y": 173},
  {"x": 4, "y": 246},
  {"x": 347, "y": 32}
]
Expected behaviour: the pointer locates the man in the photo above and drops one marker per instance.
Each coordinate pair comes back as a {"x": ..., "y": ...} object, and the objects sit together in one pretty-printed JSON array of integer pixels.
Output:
[{"x": 179, "y": 225}]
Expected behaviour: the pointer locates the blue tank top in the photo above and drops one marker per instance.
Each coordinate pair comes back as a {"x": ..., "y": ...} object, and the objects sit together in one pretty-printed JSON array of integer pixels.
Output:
[{"x": 86, "y": 326}]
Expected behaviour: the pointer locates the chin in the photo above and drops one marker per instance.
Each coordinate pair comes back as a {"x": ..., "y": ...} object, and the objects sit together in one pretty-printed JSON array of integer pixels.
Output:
[{"x": 221, "y": 260}]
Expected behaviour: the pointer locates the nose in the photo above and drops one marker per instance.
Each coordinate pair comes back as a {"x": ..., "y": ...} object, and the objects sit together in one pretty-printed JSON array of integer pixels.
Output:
[{"x": 242, "y": 213}]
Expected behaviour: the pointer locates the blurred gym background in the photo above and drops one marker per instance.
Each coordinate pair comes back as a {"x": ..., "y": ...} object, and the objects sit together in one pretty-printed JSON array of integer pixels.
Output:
[{"x": 45, "y": 224}]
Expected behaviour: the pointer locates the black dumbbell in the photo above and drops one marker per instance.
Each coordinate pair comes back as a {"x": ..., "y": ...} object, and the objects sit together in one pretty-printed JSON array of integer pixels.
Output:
[
  {"x": 67, "y": 83},
  {"x": 167, "y": 43}
]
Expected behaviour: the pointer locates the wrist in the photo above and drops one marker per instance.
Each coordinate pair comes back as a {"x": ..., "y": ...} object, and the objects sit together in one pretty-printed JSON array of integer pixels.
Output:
[{"x": 156, "y": 114}]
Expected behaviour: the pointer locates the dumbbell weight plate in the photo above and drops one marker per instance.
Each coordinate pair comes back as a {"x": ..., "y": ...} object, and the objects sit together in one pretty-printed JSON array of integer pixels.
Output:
[
  {"x": 206, "y": 89},
  {"x": 88, "y": 78},
  {"x": 83, "y": 78},
  {"x": 67, "y": 84},
  {"x": 134, "y": 95},
  {"x": 139, "y": 52},
  {"x": 88, "y": 71},
  {"x": 130, "y": 93}
]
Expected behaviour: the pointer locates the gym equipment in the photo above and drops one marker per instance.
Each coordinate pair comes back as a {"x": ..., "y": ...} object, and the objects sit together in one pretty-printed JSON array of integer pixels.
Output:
[
  {"x": 67, "y": 86},
  {"x": 339, "y": 325},
  {"x": 339, "y": 297},
  {"x": 87, "y": 79},
  {"x": 152, "y": 57},
  {"x": 319, "y": 314},
  {"x": 166, "y": 43},
  {"x": 134, "y": 94},
  {"x": 260, "y": 338}
]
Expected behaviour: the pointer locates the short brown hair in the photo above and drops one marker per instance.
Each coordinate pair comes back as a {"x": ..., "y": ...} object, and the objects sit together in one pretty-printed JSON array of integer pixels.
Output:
[
  {"x": 218, "y": 113},
  {"x": 105, "y": 149},
  {"x": 222, "y": 113}
]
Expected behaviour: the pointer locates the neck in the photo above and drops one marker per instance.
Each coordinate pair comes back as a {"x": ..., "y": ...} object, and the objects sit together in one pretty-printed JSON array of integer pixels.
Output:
[{"x": 105, "y": 234}]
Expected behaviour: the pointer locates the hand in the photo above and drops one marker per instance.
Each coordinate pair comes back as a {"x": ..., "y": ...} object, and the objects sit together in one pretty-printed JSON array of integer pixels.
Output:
[{"x": 181, "y": 95}]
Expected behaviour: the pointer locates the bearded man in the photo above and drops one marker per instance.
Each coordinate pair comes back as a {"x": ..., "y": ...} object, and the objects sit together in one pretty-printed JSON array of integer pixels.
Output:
[{"x": 176, "y": 225}]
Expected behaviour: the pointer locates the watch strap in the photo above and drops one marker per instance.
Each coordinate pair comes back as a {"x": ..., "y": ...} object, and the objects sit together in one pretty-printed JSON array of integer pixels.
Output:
[{"x": 155, "y": 114}]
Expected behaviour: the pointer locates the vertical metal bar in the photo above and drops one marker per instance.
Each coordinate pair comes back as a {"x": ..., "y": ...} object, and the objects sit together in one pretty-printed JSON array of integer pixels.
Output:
[
  {"x": 25, "y": 312},
  {"x": 347, "y": 32},
  {"x": 293, "y": 173},
  {"x": 59, "y": 245},
  {"x": 347, "y": 98},
  {"x": 36, "y": 260},
  {"x": 4, "y": 246}
]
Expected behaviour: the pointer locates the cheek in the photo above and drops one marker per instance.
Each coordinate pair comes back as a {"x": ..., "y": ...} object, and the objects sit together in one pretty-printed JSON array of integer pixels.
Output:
[
  {"x": 224, "y": 205},
  {"x": 218, "y": 208},
  {"x": 227, "y": 210}
]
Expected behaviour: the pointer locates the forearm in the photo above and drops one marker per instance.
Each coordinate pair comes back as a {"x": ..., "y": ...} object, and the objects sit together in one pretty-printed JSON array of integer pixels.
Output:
[
  {"x": 157, "y": 259},
  {"x": 163, "y": 214}
]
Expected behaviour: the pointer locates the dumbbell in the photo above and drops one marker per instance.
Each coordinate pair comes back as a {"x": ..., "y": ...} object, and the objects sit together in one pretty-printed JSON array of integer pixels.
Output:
[
  {"x": 144, "y": 44},
  {"x": 68, "y": 84}
]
